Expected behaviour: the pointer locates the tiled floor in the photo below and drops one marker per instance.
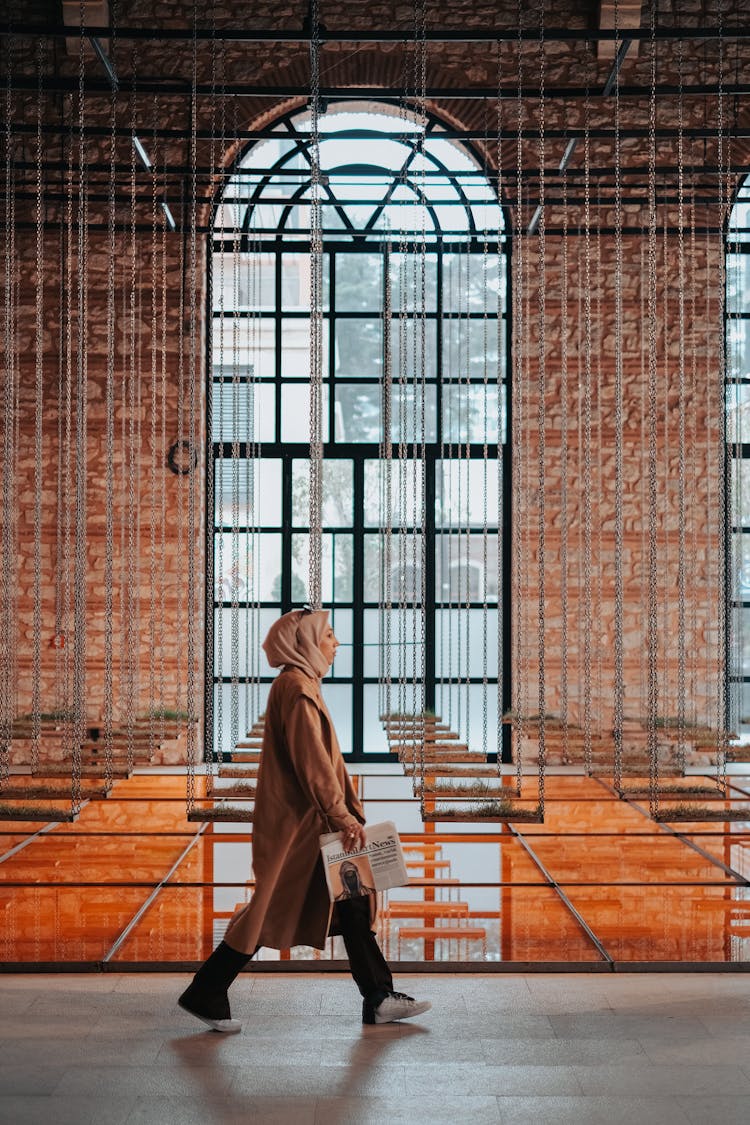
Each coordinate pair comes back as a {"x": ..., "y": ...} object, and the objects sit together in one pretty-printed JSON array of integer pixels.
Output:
[{"x": 548, "y": 1049}]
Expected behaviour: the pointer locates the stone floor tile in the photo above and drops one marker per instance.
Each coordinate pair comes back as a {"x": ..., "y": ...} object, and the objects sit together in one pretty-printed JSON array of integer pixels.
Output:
[
  {"x": 673, "y": 1079},
  {"x": 222, "y": 1111},
  {"x": 720, "y": 1109},
  {"x": 319, "y": 1081},
  {"x": 137, "y": 1081},
  {"x": 29, "y": 1079},
  {"x": 484, "y": 1080},
  {"x": 616, "y": 1025},
  {"x": 41, "y": 1109},
  {"x": 562, "y": 1052},
  {"x": 590, "y": 1111},
  {"x": 407, "y": 1111},
  {"x": 724, "y": 1051}
]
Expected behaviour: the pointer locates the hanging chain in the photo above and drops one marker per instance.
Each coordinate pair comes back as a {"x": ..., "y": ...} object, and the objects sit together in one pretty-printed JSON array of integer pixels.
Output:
[
  {"x": 421, "y": 35},
  {"x": 653, "y": 574},
  {"x": 564, "y": 390},
  {"x": 7, "y": 625},
  {"x": 191, "y": 427},
  {"x": 81, "y": 538},
  {"x": 681, "y": 550},
  {"x": 234, "y": 719},
  {"x": 587, "y": 480},
  {"x": 619, "y": 683},
  {"x": 36, "y": 724},
  {"x": 153, "y": 718},
  {"x": 541, "y": 419},
  {"x": 502, "y": 437},
  {"x": 316, "y": 320},
  {"x": 724, "y": 507},
  {"x": 517, "y": 440},
  {"x": 109, "y": 443}
]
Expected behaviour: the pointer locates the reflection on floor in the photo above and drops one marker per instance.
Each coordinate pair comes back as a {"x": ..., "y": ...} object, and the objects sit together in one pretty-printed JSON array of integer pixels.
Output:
[{"x": 132, "y": 881}]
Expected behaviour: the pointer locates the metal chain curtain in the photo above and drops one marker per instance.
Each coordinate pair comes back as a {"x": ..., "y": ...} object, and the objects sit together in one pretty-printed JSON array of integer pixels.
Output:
[{"x": 377, "y": 500}]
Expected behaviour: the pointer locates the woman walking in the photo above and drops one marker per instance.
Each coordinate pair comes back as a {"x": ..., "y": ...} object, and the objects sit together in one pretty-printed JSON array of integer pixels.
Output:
[{"x": 303, "y": 790}]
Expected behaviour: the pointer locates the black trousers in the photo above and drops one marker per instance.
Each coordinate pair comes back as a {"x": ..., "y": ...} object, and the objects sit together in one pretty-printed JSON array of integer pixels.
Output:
[{"x": 368, "y": 965}]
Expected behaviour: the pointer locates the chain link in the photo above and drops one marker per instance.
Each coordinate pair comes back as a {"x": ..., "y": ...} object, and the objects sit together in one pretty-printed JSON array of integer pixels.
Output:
[
  {"x": 586, "y": 484},
  {"x": 653, "y": 574},
  {"x": 681, "y": 389},
  {"x": 541, "y": 420},
  {"x": 7, "y": 639},
  {"x": 316, "y": 320},
  {"x": 619, "y": 675},
  {"x": 36, "y": 725}
]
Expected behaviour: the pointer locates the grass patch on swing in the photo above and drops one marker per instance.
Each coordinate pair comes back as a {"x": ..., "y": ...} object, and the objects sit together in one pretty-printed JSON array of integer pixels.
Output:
[
  {"x": 702, "y": 812},
  {"x": 35, "y": 812},
  {"x": 501, "y": 808}
]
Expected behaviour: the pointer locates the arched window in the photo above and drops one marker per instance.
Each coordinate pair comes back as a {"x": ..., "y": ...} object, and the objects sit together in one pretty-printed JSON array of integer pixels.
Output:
[
  {"x": 413, "y": 246},
  {"x": 738, "y": 439}
]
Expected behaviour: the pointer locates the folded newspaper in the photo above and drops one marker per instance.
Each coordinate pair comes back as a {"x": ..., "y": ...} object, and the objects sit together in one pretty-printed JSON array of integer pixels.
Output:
[{"x": 377, "y": 866}]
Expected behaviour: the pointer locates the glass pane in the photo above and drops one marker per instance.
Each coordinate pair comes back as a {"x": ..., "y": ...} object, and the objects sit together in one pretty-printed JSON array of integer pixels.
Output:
[
  {"x": 463, "y": 707},
  {"x": 739, "y": 565},
  {"x": 249, "y": 704},
  {"x": 739, "y": 224},
  {"x": 295, "y": 348},
  {"x": 470, "y": 348},
  {"x": 244, "y": 281},
  {"x": 244, "y": 345},
  {"x": 406, "y": 277},
  {"x": 338, "y": 699},
  {"x": 295, "y": 282},
  {"x": 738, "y": 282},
  {"x": 461, "y": 573},
  {"x": 406, "y": 413},
  {"x": 257, "y": 499},
  {"x": 398, "y": 632},
  {"x": 470, "y": 413},
  {"x": 249, "y": 572},
  {"x": 357, "y": 412},
  {"x": 396, "y": 576},
  {"x": 470, "y": 287},
  {"x": 341, "y": 622},
  {"x": 740, "y": 658},
  {"x": 739, "y": 494},
  {"x": 466, "y": 493},
  {"x": 373, "y": 733},
  {"x": 295, "y": 412},
  {"x": 338, "y": 493},
  {"x": 248, "y": 627},
  {"x": 243, "y": 412},
  {"x": 738, "y": 349},
  {"x": 460, "y": 643},
  {"x": 359, "y": 348},
  {"x": 406, "y": 349},
  {"x": 337, "y": 566},
  {"x": 406, "y": 487},
  {"x": 738, "y": 412},
  {"x": 359, "y": 282}
]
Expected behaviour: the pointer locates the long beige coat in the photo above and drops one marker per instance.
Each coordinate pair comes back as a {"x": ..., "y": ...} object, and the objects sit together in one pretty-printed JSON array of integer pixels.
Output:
[{"x": 303, "y": 790}]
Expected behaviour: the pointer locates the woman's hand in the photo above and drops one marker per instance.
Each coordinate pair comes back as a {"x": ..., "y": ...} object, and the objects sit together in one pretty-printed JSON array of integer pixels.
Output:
[{"x": 354, "y": 837}]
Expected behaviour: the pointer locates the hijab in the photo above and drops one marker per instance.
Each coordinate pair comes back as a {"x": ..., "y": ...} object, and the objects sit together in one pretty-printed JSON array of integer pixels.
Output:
[{"x": 295, "y": 639}]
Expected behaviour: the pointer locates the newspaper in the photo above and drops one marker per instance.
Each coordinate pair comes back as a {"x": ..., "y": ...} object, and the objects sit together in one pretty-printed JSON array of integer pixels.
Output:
[{"x": 377, "y": 866}]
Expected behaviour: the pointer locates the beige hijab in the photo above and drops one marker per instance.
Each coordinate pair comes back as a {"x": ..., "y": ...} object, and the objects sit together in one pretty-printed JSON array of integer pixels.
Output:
[{"x": 295, "y": 639}]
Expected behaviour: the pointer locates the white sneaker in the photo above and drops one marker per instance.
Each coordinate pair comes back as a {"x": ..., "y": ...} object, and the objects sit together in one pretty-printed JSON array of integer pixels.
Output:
[
  {"x": 228, "y": 1026},
  {"x": 399, "y": 1006}
]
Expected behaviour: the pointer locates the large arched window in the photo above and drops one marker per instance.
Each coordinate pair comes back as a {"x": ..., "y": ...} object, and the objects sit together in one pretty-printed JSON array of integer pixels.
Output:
[{"x": 412, "y": 248}]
